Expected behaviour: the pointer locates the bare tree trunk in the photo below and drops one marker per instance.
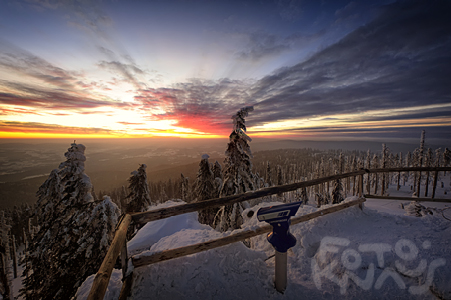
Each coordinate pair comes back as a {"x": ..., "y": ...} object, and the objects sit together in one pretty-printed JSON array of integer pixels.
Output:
[
  {"x": 375, "y": 184},
  {"x": 434, "y": 186},
  {"x": 13, "y": 254}
]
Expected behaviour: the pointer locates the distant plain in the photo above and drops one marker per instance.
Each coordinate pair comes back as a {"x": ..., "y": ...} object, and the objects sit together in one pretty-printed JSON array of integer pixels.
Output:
[{"x": 25, "y": 164}]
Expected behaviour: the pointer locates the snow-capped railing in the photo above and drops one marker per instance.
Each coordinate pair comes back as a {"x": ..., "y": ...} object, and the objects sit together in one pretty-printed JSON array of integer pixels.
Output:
[
  {"x": 118, "y": 245},
  {"x": 233, "y": 238}
]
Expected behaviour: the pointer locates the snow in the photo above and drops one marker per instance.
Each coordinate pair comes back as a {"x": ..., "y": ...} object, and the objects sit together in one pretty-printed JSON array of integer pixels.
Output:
[
  {"x": 113, "y": 289},
  {"x": 352, "y": 254},
  {"x": 152, "y": 232}
]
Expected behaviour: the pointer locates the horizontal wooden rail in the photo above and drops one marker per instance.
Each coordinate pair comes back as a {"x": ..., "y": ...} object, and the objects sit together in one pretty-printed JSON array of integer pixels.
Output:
[
  {"x": 100, "y": 283},
  {"x": 408, "y": 198},
  {"x": 191, "y": 249},
  {"x": 144, "y": 217},
  {"x": 409, "y": 169}
]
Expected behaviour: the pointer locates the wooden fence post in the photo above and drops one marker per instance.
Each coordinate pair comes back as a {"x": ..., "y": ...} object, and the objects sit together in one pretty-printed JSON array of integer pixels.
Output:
[
  {"x": 100, "y": 283},
  {"x": 361, "y": 190},
  {"x": 124, "y": 259}
]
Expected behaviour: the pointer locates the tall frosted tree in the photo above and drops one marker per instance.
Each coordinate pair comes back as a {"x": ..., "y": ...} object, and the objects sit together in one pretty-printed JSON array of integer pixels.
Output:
[
  {"x": 238, "y": 177},
  {"x": 384, "y": 163},
  {"x": 446, "y": 158},
  {"x": 337, "y": 192},
  {"x": 436, "y": 164},
  {"x": 368, "y": 166},
  {"x": 375, "y": 164},
  {"x": 420, "y": 161},
  {"x": 73, "y": 235},
  {"x": 139, "y": 191},
  {"x": 217, "y": 174},
  {"x": 204, "y": 189},
  {"x": 184, "y": 188},
  {"x": 268, "y": 174},
  {"x": 428, "y": 163}
]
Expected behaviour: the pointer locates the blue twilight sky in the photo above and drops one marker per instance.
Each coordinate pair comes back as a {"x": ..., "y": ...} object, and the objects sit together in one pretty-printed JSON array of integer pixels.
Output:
[{"x": 311, "y": 69}]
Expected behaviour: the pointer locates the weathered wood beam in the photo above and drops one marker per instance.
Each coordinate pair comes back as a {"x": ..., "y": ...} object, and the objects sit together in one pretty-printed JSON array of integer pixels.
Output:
[
  {"x": 410, "y": 169},
  {"x": 102, "y": 278},
  {"x": 144, "y": 217},
  {"x": 407, "y": 198},
  {"x": 191, "y": 249},
  {"x": 126, "y": 287}
]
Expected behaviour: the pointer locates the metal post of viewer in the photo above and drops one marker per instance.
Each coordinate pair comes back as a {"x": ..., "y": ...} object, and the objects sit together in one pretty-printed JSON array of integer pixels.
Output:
[{"x": 280, "y": 238}]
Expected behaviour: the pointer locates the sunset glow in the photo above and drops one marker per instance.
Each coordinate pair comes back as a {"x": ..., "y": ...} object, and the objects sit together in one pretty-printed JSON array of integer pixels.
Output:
[{"x": 183, "y": 68}]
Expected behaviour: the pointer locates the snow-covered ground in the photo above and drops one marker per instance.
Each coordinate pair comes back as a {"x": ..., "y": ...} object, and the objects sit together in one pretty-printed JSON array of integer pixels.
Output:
[{"x": 377, "y": 253}]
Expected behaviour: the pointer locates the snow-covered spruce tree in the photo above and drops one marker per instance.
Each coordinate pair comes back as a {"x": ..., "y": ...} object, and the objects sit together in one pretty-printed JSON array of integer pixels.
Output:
[
  {"x": 217, "y": 170},
  {"x": 420, "y": 161},
  {"x": 436, "y": 174},
  {"x": 71, "y": 245},
  {"x": 238, "y": 177},
  {"x": 375, "y": 164},
  {"x": 139, "y": 191},
  {"x": 408, "y": 161},
  {"x": 303, "y": 196},
  {"x": 446, "y": 158},
  {"x": 279, "y": 179},
  {"x": 217, "y": 174},
  {"x": 399, "y": 165},
  {"x": 337, "y": 196},
  {"x": 428, "y": 163},
  {"x": 49, "y": 195},
  {"x": 340, "y": 169},
  {"x": 368, "y": 177},
  {"x": 268, "y": 175},
  {"x": 184, "y": 188},
  {"x": 204, "y": 189},
  {"x": 384, "y": 163}
]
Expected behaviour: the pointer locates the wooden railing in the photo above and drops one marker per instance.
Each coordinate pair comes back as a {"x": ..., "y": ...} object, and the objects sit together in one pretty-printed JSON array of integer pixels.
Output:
[{"x": 119, "y": 244}]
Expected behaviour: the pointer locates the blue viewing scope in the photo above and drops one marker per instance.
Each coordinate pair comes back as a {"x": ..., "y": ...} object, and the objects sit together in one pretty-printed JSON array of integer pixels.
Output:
[{"x": 279, "y": 217}]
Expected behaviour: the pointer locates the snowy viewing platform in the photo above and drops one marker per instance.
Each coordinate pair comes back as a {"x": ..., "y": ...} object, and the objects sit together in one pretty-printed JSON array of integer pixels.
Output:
[{"x": 378, "y": 252}]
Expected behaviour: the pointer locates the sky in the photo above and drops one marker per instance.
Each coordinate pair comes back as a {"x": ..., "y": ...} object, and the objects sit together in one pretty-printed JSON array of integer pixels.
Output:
[{"x": 325, "y": 70}]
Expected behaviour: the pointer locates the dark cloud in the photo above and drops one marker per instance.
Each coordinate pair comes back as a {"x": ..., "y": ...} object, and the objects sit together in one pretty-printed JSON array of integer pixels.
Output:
[
  {"x": 128, "y": 72},
  {"x": 262, "y": 45},
  {"x": 20, "y": 61},
  {"x": 50, "y": 99},
  {"x": 54, "y": 87},
  {"x": 199, "y": 104},
  {"x": 86, "y": 15},
  {"x": 401, "y": 59}
]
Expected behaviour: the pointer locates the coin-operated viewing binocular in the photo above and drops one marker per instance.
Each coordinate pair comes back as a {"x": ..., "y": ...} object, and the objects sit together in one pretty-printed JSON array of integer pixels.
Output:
[{"x": 280, "y": 237}]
